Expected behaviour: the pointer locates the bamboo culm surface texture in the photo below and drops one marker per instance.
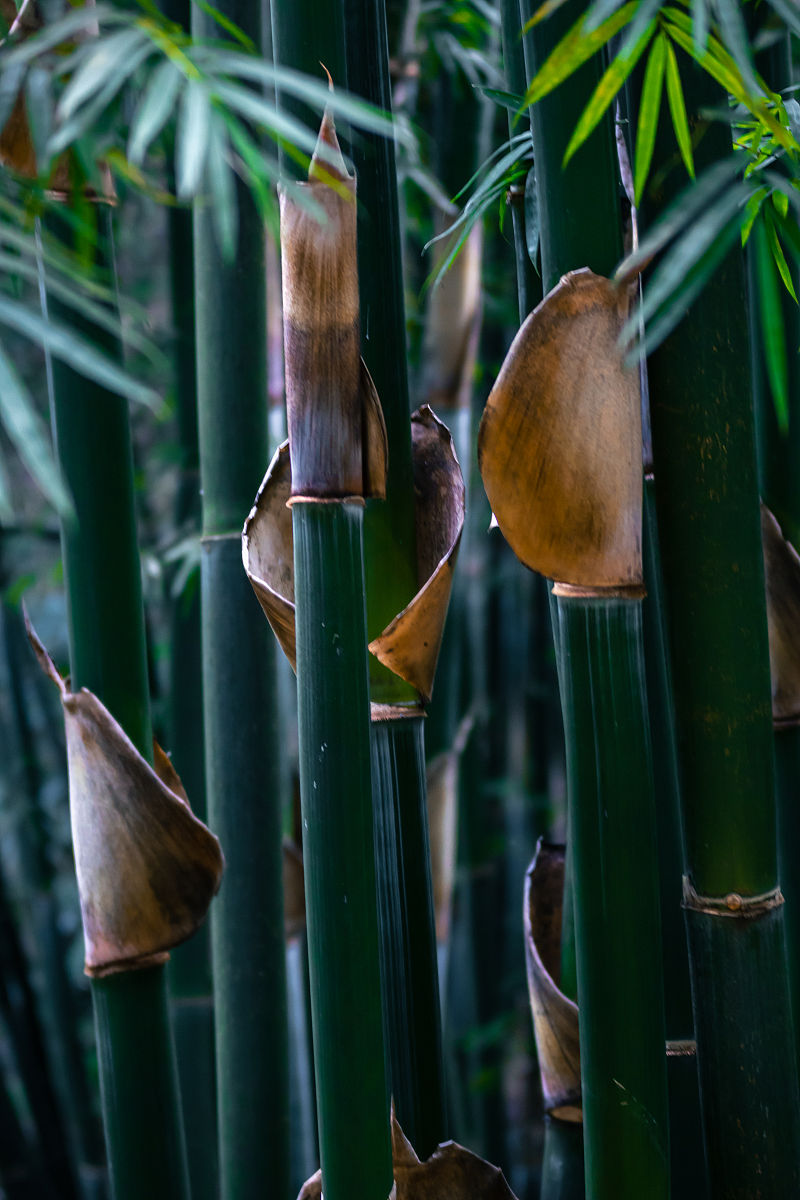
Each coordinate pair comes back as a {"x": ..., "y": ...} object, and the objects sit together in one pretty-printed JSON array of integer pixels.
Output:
[
  {"x": 612, "y": 827},
  {"x": 405, "y": 905},
  {"x": 338, "y": 846},
  {"x": 146, "y": 1150},
  {"x": 241, "y": 704},
  {"x": 705, "y": 462}
]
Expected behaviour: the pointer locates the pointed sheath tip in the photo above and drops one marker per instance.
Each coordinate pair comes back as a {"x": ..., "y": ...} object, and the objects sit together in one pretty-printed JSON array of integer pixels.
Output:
[{"x": 327, "y": 161}]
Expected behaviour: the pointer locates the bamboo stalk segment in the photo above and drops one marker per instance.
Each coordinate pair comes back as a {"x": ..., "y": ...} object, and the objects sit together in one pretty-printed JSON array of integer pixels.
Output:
[
  {"x": 410, "y": 644},
  {"x": 147, "y": 868},
  {"x": 559, "y": 445},
  {"x": 555, "y": 1016},
  {"x": 782, "y": 574}
]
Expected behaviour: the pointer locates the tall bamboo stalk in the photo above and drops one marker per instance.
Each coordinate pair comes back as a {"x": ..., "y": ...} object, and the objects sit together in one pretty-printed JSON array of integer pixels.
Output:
[
  {"x": 143, "y": 1127},
  {"x": 331, "y": 472},
  {"x": 241, "y": 700},
  {"x": 408, "y": 940},
  {"x": 599, "y": 647},
  {"x": 708, "y": 520}
]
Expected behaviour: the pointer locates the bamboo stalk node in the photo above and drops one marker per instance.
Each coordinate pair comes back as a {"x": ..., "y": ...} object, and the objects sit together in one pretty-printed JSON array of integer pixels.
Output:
[
  {"x": 555, "y": 1016},
  {"x": 733, "y": 904},
  {"x": 395, "y": 712},
  {"x": 410, "y": 643},
  {"x": 782, "y": 578},
  {"x": 560, "y": 441},
  {"x": 636, "y": 591},
  {"x": 147, "y": 868},
  {"x": 682, "y": 1048}
]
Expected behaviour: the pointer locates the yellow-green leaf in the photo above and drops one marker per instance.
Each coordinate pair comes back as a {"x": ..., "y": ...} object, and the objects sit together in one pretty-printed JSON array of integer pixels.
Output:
[
  {"x": 779, "y": 257},
  {"x": 606, "y": 90},
  {"x": 648, "y": 114},
  {"x": 574, "y": 49},
  {"x": 677, "y": 109}
]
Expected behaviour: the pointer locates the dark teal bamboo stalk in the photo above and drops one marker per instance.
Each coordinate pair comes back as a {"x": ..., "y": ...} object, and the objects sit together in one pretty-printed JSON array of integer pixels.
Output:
[
  {"x": 336, "y": 791},
  {"x": 143, "y": 1127},
  {"x": 708, "y": 519},
  {"x": 599, "y": 646},
  {"x": 612, "y": 824},
  {"x": 241, "y": 705},
  {"x": 562, "y": 1164},
  {"x": 408, "y": 941}
]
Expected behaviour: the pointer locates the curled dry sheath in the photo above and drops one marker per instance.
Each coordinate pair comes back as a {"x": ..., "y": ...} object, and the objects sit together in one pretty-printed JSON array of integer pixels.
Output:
[{"x": 147, "y": 868}]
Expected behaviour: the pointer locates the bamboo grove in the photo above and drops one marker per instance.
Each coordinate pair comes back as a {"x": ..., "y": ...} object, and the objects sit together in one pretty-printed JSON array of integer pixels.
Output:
[{"x": 400, "y": 657}]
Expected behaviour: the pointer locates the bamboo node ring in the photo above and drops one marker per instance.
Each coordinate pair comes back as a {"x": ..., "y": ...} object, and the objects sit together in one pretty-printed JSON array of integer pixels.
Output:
[{"x": 732, "y": 904}]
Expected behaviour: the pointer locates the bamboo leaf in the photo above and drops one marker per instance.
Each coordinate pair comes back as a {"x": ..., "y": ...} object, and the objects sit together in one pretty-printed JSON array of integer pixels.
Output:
[
  {"x": 155, "y": 109},
  {"x": 677, "y": 216},
  {"x": 108, "y": 62},
  {"x": 39, "y": 101},
  {"x": 223, "y": 192},
  {"x": 788, "y": 13},
  {"x": 6, "y": 507},
  {"x": 608, "y": 87},
  {"x": 66, "y": 345},
  {"x": 677, "y": 109},
  {"x": 778, "y": 256},
  {"x": 192, "y": 139},
  {"x": 648, "y": 114},
  {"x": 734, "y": 36},
  {"x": 28, "y": 434},
  {"x": 543, "y": 11},
  {"x": 61, "y": 31},
  {"x": 11, "y": 80},
  {"x": 699, "y": 11},
  {"x": 600, "y": 11},
  {"x": 574, "y": 49},
  {"x": 773, "y": 337},
  {"x": 532, "y": 225}
]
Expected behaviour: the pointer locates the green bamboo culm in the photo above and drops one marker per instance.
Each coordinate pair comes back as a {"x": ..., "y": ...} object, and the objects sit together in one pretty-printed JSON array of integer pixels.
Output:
[
  {"x": 336, "y": 791},
  {"x": 562, "y": 1161},
  {"x": 408, "y": 940},
  {"x": 612, "y": 825},
  {"x": 143, "y": 1127},
  {"x": 331, "y": 424},
  {"x": 705, "y": 464},
  {"x": 242, "y": 720}
]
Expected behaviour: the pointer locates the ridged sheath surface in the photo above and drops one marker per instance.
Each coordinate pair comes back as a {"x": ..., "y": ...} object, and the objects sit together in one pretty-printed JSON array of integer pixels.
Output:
[
  {"x": 338, "y": 849},
  {"x": 618, "y": 935}
]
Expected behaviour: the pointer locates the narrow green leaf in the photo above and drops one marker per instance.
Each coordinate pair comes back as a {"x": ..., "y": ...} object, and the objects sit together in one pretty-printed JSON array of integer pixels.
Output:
[
  {"x": 63, "y": 30},
  {"x": 600, "y": 11},
  {"x": 155, "y": 109},
  {"x": 649, "y": 108},
  {"x": 223, "y": 191},
  {"x": 574, "y": 49},
  {"x": 192, "y": 139},
  {"x": 780, "y": 203},
  {"x": 105, "y": 62},
  {"x": 39, "y": 103},
  {"x": 67, "y": 345},
  {"x": 691, "y": 246},
  {"x": 700, "y": 23},
  {"x": 752, "y": 209},
  {"x": 788, "y": 12},
  {"x": 773, "y": 336},
  {"x": 681, "y": 212},
  {"x": 543, "y": 11},
  {"x": 509, "y": 100},
  {"x": 608, "y": 87},
  {"x": 777, "y": 254},
  {"x": 11, "y": 80},
  {"x": 227, "y": 24},
  {"x": 734, "y": 38},
  {"x": 677, "y": 109},
  {"x": 29, "y": 435},
  {"x": 532, "y": 226}
]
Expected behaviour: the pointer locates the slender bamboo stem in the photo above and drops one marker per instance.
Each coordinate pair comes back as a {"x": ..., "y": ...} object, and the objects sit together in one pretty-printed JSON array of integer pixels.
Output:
[
  {"x": 241, "y": 701},
  {"x": 562, "y": 1164},
  {"x": 144, "y": 1133},
  {"x": 612, "y": 824},
  {"x": 708, "y": 518},
  {"x": 336, "y": 791}
]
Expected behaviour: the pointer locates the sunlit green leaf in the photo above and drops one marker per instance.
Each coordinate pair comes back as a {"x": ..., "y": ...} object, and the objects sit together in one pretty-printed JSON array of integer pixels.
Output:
[
  {"x": 734, "y": 36},
  {"x": 778, "y": 255},
  {"x": 677, "y": 109},
  {"x": 574, "y": 49},
  {"x": 773, "y": 337},
  {"x": 543, "y": 11},
  {"x": 751, "y": 211},
  {"x": 649, "y": 108},
  {"x": 608, "y": 87},
  {"x": 29, "y": 436}
]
